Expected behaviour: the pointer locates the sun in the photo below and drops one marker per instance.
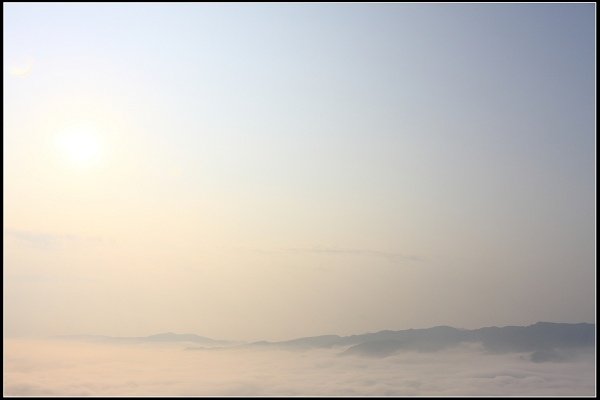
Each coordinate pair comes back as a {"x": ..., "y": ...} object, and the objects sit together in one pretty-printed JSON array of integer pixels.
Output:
[{"x": 80, "y": 146}]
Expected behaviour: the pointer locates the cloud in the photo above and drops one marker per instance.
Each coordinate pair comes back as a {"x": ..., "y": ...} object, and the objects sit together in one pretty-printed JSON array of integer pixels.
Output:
[
  {"x": 48, "y": 240},
  {"x": 36, "y": 367},
  {"x": 319, "y": 250}
]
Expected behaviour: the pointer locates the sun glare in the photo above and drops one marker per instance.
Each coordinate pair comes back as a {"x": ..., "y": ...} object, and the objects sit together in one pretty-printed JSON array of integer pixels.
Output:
[{"x": 80, "y": 146}]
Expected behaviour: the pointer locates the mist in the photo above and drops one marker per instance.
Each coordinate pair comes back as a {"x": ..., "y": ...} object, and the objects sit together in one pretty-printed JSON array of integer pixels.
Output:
[{"x": 74, "y": 368}]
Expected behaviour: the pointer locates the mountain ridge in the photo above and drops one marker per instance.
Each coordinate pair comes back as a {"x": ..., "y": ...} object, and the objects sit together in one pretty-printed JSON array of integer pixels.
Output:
[{"x": 545, "y": 341}]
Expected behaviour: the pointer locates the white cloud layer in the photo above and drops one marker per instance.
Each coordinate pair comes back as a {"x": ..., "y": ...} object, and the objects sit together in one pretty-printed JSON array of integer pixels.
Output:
[{"x": 70, "y": 368}]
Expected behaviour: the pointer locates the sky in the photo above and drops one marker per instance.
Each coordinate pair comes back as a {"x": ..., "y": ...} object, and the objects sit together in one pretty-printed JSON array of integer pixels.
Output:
[{"x": 270, "y": 171}]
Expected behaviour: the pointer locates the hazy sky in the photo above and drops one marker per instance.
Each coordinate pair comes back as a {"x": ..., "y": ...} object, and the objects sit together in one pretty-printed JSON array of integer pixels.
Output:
[{"x": 273, "y": 171}]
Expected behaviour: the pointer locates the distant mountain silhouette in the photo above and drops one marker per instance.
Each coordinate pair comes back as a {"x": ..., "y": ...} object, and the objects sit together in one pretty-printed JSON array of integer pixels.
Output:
[
  {"x": 543, "y": 339},
  {"x": 168, "y": 337},
  {"x": 323, "y": 341},
  {"x": 541, "y": 336},
  {"x": 431, "y": 339}
]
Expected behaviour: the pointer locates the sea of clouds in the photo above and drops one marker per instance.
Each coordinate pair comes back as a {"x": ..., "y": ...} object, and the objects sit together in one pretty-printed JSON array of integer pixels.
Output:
[{"x": 53, "y": 367}]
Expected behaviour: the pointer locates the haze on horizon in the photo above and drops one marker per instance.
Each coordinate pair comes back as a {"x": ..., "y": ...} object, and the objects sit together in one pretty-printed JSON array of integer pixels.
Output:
[{"x": 273, "y": 171}]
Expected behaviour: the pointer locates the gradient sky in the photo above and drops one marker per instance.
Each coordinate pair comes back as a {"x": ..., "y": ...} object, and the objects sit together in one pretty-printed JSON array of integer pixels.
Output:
[{"x": 258, "y": 171}]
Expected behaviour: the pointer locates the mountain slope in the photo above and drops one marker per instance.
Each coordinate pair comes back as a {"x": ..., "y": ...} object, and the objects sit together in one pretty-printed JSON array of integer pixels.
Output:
[{"x": 542, "y": 338}]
